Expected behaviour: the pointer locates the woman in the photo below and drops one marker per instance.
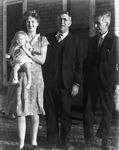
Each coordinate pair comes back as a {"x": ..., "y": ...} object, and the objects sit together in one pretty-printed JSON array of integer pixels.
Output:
[{"x": 29, "y": 102}]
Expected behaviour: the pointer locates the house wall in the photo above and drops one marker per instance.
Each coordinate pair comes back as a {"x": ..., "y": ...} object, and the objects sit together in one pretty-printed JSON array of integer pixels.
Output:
[
  {"x": 80, "y": 20},
  {"x": 48, "y": 11},
  {"x": 2, "y": 89},
  {"x": 116, "y": 17}
]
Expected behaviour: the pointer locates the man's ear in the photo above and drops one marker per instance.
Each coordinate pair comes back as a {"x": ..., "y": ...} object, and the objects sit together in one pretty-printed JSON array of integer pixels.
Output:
[
  {"x": 107, "y": 24},
  {"x": 38, "y": 24},
  {"x": 70, "y": 23}
]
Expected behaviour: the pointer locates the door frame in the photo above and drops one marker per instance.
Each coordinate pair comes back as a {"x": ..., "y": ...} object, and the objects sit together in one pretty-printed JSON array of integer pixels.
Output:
[
  {"x": 5, "y": 4},
  {"x": 92, "y": 10}
]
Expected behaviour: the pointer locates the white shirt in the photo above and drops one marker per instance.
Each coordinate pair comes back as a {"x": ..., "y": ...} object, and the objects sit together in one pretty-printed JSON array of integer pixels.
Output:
[
  {"x": 103, "y": 35},
  {"x": 101, "y": 39},
  {"x": 63, "y": 35}
]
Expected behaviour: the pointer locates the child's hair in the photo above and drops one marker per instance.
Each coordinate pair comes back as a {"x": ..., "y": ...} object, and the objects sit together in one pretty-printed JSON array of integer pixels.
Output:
[{"x": 14, "y": 40}]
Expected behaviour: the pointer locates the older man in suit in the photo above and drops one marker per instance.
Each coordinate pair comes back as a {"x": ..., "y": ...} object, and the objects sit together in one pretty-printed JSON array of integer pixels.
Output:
[
  {"x": 100, "y": 79},
  {"x": 62, "y": 73}
]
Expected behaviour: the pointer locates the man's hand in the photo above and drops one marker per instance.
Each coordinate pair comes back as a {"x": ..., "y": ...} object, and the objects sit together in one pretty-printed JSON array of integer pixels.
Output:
[
  {"x": 75, "y": 90},
  {"x": 116, "y": 92},
  {"x": 117, "y": 87},
  {"x": 7, "y": 56},
  {"x": 116, "y": 97}
]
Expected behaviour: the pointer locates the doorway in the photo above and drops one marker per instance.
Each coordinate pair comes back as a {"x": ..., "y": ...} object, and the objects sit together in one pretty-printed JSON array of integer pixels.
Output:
[{"x": 12, "y": 13}]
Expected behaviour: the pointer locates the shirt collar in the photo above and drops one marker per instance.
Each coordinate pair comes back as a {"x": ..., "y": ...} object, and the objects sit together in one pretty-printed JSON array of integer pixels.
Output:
[
  {"x": 103, "y": 35},
  {"x": 63, "y": 34}
]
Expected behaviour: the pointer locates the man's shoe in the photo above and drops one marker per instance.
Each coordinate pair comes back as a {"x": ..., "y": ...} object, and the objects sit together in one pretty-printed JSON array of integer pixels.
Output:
[
  {"x": 68, "y": 146},
  {"x": 53, "y": 147},
  {"x": 18, "y": 148},
  {"x": 105, "y": 145},
  {"x": 64, "y": 145},
  {"x": 35, "y": 147},
  {"x": 88, "y": 145}
]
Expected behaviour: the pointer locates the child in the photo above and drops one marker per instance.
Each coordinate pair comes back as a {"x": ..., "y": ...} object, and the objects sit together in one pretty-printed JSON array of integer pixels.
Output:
[{"x": 18, "y": 48}]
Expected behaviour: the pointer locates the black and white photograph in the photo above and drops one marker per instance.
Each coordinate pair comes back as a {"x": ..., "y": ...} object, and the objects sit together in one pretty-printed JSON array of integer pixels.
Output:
[{"x": 59, "y": 75}]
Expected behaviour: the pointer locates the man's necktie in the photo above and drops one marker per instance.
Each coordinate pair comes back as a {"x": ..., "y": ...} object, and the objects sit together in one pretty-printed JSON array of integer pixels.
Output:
[
  {"x": 59, "y": 37},
  {"x": 100, "y": 40}
]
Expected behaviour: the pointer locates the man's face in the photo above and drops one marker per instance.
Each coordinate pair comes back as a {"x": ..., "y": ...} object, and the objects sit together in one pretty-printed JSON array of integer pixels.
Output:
[
  {"x": 100, "y": 25},
  {"x": 63, "y": 23}
]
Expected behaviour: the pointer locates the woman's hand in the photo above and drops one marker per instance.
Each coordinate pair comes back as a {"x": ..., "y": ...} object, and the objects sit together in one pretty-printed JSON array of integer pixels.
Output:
[
  {"x": 31, "y": 48},
  {"x": 28, "y": 52},
  {"x": 75, "y": 90}
]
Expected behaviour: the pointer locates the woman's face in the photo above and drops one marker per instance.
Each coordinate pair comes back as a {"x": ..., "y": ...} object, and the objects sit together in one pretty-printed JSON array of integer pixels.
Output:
[{"x": 31, "y": 24}]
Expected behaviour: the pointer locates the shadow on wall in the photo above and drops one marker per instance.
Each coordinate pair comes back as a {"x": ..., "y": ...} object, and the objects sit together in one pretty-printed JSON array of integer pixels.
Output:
[{"x": 84, "y": 35}]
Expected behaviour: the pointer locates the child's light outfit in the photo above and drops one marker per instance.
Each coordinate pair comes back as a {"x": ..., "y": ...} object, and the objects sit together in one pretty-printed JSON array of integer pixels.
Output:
[
  {"x": 19, "y": 55},
  {"x": 20, "y": 58},
  {"x": 23, "y": 102}
]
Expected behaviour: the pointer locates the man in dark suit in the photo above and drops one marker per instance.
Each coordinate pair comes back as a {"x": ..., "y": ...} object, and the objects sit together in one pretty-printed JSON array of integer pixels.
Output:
[
  {"x": 62, "y": 73},
  {"x": 100, "y": 79}
]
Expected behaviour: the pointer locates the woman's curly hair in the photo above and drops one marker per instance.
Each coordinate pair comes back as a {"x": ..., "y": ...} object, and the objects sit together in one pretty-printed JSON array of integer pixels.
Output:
[{"x": 25, "y": 16}]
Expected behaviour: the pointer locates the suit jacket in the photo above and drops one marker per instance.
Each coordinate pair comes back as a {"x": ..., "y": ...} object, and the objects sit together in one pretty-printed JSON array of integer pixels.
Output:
[
  {"x": 71, "y": 64},
  {"x": 109, "y": 59}
]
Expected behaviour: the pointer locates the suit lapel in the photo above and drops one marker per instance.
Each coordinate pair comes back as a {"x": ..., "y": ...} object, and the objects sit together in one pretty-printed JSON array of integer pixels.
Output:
[
  {"x": 68, "y": 43},
  {"x": 106, "y": 44}
]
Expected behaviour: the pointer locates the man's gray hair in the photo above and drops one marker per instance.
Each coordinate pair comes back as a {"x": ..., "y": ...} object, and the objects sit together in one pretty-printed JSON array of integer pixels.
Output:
[
  {"x": 65, "y": 12},
  {"x": 106, "y": 16}
]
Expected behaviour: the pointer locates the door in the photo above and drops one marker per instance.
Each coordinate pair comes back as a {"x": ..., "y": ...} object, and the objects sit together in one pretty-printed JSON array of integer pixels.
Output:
[{"x": 12, "y": 14}]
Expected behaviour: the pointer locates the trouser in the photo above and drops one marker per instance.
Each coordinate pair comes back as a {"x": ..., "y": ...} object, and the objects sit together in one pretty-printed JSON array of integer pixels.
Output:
[
  {"x": 57, "y": 102},
  {"x": 93, "y": 94}
]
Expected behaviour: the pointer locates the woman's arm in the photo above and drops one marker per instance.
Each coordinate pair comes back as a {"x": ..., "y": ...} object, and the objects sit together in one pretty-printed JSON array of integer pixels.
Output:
[{"x": 40, "y": 59}]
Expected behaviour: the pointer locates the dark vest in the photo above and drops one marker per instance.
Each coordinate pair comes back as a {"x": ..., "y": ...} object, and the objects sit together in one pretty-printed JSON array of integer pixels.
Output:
[
  {"x": 96, "y": 60},
  {"x": 58, "y": 63}
]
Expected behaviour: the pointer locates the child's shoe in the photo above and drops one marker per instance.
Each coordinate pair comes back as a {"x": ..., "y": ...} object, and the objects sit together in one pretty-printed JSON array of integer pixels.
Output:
[
  {"x": 28, "y": 85},
  {"x": 15, "y": 81}
]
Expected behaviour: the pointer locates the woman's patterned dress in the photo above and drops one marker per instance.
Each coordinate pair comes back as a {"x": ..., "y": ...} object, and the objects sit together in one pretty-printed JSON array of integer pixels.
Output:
[{"x": 22, "y": 101}]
